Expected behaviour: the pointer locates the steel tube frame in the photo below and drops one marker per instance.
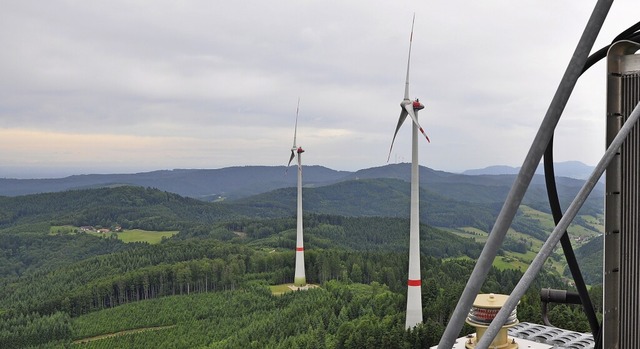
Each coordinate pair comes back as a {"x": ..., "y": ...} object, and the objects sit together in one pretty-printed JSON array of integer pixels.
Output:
[
  {"x": 546, "y": 250},
  {"x": 520, "y": 185}
]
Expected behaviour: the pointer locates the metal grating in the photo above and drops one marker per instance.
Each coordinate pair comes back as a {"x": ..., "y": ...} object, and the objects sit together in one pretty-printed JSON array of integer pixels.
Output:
[
  {"x": 622, "y": 204},
  {"x": 553, "y": 336},
  {"x": 534, "y": 336}
]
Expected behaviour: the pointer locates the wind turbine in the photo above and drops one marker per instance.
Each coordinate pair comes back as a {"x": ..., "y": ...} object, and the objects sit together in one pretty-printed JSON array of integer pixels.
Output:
[
  {"x": 414, "y": 283},
  {"x": 299, "y": 277}
]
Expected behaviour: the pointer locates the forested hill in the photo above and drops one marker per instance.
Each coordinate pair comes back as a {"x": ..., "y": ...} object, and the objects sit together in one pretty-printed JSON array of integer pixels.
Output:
[
  {"x": 482, "y": 188},
  {"x": 590, "y": 259},
  {"x": 147, "y": 208},
  {"x": 447, "y": 203},
  {"x": 28, "y": 218},
  {"x": 369, "y": 197},
  {"x": 443, "y": 205},
  {"x": 130, "y": 207}
]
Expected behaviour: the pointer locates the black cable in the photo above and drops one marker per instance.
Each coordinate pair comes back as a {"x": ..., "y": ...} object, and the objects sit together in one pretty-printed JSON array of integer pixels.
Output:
[
  {"x": 627, "y": 33},
  {"x": 602, "y": 53},
  {"x": 569, "y": 255},
  {"x": 598, "y": 339},
  {"x": 631, "y": 34}
]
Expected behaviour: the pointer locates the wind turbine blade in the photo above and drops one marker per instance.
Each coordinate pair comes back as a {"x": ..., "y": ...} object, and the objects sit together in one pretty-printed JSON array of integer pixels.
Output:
[
  {"x": 406, "y": 84},
  {"x": 295, "y": 130},
  {"x": 412, "y": 114},
  {"x": 293, "y": 155},
  {"x": 403, "y": 116}
]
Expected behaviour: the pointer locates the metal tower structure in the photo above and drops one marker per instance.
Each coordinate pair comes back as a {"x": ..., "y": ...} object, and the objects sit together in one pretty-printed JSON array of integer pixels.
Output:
[
  {"x": 621, "y": 160},
  {"x": 621, "y": 301},
  {"x": 296, "y": 151},
  {"x": 414, "y": 283},
  {"x": 300, "y": 278}
]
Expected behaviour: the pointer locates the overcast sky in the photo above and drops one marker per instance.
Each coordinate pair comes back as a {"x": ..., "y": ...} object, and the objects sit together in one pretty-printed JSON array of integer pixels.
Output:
[{"x": 131, "y": 86}]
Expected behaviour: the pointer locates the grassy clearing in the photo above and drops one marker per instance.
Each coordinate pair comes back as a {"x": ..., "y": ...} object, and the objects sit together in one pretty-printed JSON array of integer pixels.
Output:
[
  {"x": 277, "y": 290},
  {"x": 509, "y": 261},
  {"x": 133, "y": 235},
  {"x": 476, "y": 234},
  {"x": 458, "y": 258},
  {"x": 139, "y": 235},
  {"x": 596, "y": 224}
]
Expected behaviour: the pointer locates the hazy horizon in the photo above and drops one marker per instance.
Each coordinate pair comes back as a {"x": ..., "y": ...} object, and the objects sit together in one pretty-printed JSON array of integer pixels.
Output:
[{"x": 48, "y": 173}]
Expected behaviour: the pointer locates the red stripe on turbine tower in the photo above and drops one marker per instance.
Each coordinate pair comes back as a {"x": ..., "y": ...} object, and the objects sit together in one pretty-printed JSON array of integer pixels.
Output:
[
  {"x": 414, "y": 282},
  {"x": 300, "y": 249}
]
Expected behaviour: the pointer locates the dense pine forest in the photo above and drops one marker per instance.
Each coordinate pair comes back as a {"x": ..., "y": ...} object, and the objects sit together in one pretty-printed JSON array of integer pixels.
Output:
[{"x": 215, "y": 283}]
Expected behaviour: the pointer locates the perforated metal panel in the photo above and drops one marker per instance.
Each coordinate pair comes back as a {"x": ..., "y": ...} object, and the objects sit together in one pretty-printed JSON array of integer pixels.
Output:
[
  {"x": 621, "y": 328},
  {"x": 556, "y": 337},
  {"x": 534, "y": 336}
]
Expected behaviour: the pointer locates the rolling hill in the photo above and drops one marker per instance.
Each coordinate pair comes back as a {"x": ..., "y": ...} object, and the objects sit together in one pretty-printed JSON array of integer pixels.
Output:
[
  {"x": 447, "y": 199},
  {"x": 442, "y": 202}
]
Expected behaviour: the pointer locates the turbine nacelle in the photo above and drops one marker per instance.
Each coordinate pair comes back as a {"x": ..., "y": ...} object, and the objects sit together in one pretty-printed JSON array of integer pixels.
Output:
[
  {"x": 417, "y": 105},
  {"x": 295, "y": 150}
]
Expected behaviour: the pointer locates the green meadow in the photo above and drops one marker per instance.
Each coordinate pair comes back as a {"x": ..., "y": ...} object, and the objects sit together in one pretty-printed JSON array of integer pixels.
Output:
[
  {"x": 127, "y": 235},
  {"x": 580, "y": 234}
]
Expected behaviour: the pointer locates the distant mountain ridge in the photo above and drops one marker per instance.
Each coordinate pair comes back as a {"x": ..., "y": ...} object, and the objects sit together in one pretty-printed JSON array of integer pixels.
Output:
[
  {"x": 570, "y": 169},
  {"x": 246, "y": 181},
  {"x": 231, "y": 182}
]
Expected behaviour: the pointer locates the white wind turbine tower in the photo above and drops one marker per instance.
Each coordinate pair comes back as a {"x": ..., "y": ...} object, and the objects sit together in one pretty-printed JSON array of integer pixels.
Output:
[
  {"x": 299, "y": 277},
  {"x": 414, "y": 283}
]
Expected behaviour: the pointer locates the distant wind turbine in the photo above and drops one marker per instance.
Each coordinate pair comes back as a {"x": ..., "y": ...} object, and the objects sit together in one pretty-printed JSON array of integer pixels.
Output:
[
  {"x": 299, "y": 277},
  {"x": 414, "y": 283}
]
